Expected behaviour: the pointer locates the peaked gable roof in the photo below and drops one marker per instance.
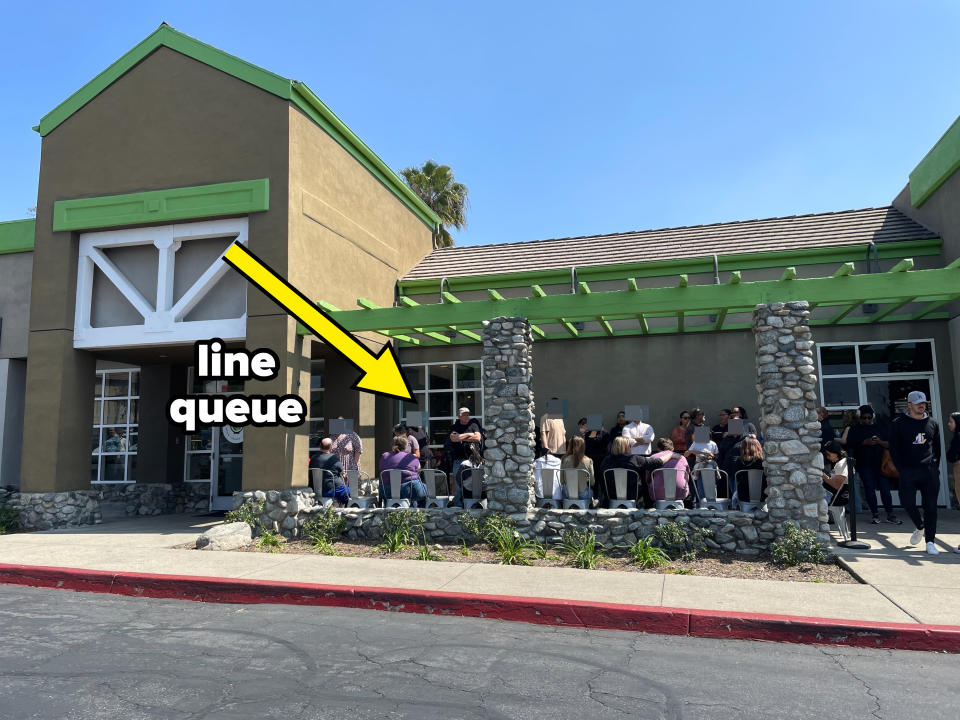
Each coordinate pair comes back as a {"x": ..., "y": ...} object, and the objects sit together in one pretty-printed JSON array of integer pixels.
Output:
[
  {"x": 797, "y": 232},
  {"x": 291, "y": 90}
]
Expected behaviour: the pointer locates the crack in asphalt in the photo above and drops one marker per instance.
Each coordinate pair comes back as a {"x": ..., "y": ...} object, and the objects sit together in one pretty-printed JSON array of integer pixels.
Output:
[{"x": 837, "y": 659}]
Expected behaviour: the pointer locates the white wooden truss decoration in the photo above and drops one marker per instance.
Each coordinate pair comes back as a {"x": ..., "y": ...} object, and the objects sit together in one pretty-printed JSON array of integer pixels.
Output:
[{"x": 163, "y": 317}]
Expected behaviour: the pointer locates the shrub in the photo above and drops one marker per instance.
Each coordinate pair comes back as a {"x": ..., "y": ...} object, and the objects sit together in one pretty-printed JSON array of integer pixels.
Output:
[
  {"x": 646, "y": 555},
  {"x": 797, "y": 546},
  {"x": 9, "y": 519},
  {"x": 425, "y": 553},
  {"x": 464, "y": 550},
  {"x": 325, "y": 527},
  {"x": 582, "y": 547},
  {"x": 399, "y": 529},
  {"x": 540, "y": 549},
  {"x": 681, "y": 541},
  {"x": 269, "y": 542},
  {"x": 324, "y": 547},
  {"x": 249, "y": 513},
  {"x": 500, "y": 534}
]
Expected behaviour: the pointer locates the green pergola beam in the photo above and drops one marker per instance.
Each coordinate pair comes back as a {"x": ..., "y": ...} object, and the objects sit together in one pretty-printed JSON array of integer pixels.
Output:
[
  {"x": 923, "y": 312},
  {"x": 407, "y": 302},
  {"x": 846, "y": 311},
  {"x": 844, "y": 270},
  {"x": 606, "y": 326},
  {"x": 494, "y": 295},
  {"x": 851, "y": 291},
  {"x": 735, "y": 277},
  {"x": 683, "y": 281},
  {"x": 569, "y": 328},
  {"x": 890, "y": 309},
  {"x": 537, "y": 291},
  {"x": 902, "y": 266},
  {"x": 721, "y": 316},
  {"x": 643, "y": 324},
  {"x": 449, "y": 297},
  {"x": 680, "y": 322},
  {"x": 632, "y": 284},
  {"x": 583, "y": 288},
  {"x": 789, "y": 273}
]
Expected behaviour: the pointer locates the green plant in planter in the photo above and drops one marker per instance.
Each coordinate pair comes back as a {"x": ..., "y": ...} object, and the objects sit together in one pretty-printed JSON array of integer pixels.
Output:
[
  {"x": 324, "y": 527},
  {"x": 9, "y": 519},
  {"x": 797, "y": 546},
  {"x": 582, "y": 548},
  {"x": 540, "y": 549},
  {"x": 269, "y": 542},
  {"x": 249, "y": 513},
  {"x": 681, "y": 540},
  {"x": 399, "y": 529},
  {"x": 646, "y": 555}
]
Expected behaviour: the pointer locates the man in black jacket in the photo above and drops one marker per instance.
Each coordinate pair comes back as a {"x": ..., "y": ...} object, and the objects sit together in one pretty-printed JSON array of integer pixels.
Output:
[{"x": 915, "y": 450}]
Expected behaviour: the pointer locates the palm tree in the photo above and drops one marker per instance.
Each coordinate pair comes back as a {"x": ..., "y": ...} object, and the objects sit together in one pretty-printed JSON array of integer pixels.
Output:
[{"x": 434, "y": 184}]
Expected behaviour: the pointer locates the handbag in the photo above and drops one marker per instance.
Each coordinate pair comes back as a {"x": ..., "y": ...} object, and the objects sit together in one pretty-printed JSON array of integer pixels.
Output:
[{"x": 887, "y": 468}]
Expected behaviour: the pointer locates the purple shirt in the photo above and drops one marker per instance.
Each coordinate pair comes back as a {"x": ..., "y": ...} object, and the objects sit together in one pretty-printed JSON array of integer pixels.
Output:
[
  {"x": 402, "y": 461},
  {"x": 656, "y": 484}
]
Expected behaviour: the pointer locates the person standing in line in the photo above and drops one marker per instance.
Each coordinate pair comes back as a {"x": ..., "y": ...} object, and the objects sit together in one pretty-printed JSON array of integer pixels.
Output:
[
  {"x": 697, "y": 419},
  {"x": 617, "y": 430},
  {"x": 640, "y": 436},
  {"x": 553, "y": 433},
  {"x": 466, "y": 442},
  {"x": 827, "y": 433},
  {"x": 348, "y": 448},
  {"x": 953, "y": 455},
  {"x": 866, "y": 442},
  {"x": 915, "y": 450},
  {"x": 719, "y": 430},
  {"x": 679, "y": 435}
]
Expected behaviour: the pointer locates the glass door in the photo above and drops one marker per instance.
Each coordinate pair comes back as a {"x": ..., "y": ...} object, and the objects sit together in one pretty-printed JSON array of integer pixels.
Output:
[
  {"x": 229, "y": 464},
  {"x": 888, "y": 397}
]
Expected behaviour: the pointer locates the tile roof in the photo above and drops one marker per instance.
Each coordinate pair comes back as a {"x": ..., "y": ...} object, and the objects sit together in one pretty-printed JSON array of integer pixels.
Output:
[{"x": 847, "y": 227}]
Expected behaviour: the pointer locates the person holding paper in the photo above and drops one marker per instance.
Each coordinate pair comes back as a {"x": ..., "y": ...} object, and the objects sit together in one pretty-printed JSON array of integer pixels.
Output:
[
  {"x": 348, "y": 448},
  {"x": 553, "y": 433}
]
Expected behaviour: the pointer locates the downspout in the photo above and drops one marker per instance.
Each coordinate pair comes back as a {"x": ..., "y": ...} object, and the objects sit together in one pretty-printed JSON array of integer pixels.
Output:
[{"x": 716, "y": 269}]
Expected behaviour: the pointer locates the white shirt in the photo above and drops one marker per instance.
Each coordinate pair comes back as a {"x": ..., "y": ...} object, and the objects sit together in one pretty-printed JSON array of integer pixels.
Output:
[
  {"x": 548, "y": 461},
  {"x": 640, "y": 430}
]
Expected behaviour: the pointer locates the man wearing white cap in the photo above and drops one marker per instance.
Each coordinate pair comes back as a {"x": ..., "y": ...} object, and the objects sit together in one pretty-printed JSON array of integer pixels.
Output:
[
  {"x": 465, "y": 435},
  {"x": 915, "y": 450}
]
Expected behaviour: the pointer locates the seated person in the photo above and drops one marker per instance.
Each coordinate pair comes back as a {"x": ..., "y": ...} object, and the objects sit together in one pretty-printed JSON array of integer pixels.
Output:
[
  {"x": 835, "y": 485},
  {"x": 547, "y": 460},
  {"x": 749, "y": 458},
  {"x": 413, "y": 445},
  {"x": 399, "y": 459},
  {"x": 620, "y": 457},
  {"x": 704, "y": 457},
  {"x": 576, "y": 457},
  {"x": 332, "y": 482},
  {"x": 670, "y": 459}
]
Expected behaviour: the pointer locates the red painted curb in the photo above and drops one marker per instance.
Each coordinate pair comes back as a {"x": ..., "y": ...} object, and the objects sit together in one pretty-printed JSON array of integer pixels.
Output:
[{"x": 540, "y": 611}]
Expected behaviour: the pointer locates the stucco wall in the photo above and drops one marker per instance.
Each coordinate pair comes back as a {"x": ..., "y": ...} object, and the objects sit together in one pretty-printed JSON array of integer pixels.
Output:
[{"x": 16, "y": 272}]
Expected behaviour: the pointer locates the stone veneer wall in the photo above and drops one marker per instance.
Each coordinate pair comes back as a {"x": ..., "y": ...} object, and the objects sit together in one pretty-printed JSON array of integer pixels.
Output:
[
  {"x": 508, "y": 414},
  {"x": 44, "y": 511},
  {"x": 787, "y": 391},
  {"x": 154, "y": 498},
  {"x": 284, "y": 511}
]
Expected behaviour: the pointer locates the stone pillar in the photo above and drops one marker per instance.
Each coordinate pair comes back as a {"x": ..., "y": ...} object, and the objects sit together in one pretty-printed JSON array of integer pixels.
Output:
[
  {"x": 508, "y": 414},
  {"x": 787, "y": 390}
]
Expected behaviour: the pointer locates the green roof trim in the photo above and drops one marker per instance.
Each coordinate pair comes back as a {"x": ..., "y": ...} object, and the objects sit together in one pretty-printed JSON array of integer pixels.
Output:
[
  {"x": 899, "y": 286},
  {"x": 16, "y": 236},
  {"x": 154, "y": 206},
  {"x": 686, "y": 266},
  {"x": 290, "y": 90},
  {"x": 937, "y": 166}
]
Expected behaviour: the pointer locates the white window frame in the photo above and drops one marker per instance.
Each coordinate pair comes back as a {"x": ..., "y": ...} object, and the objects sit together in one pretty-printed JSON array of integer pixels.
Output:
[
  {"x": 127, "y": 426},
  {"x": 426, "y": 392},
  {"x": 163, "y": 320}
]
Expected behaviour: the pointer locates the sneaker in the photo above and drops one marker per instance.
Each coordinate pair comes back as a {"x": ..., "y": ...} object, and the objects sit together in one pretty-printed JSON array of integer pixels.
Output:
[
  {"x": 894, "y": 520},
  {"x": 875, "y": 520},
  {"x": 917, "y": 536},
  {"x": 957, "y": 549},
  {"x": 932, "y": 549}
]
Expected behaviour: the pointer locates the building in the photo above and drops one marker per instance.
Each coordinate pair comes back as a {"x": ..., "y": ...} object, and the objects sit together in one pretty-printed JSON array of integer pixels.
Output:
[{"x": 149, "y": 171}]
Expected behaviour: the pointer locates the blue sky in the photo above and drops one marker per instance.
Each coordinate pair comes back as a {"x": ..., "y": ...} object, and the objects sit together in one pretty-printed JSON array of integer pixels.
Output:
[{"x": 562, "y": 119}]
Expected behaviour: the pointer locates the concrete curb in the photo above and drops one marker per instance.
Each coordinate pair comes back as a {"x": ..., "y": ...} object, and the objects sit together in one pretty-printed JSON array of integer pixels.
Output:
[{"x": 540, "y": 611}]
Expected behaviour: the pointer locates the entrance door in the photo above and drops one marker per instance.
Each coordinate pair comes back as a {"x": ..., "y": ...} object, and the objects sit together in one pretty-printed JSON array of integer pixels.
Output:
[
  {"x": 229, "y": 464},
  {"x": 888, "y": 397}
]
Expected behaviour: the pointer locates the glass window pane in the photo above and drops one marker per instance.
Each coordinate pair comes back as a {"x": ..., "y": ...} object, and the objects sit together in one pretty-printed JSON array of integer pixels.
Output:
[
  {"x": 468, "y": 375},
  {"x": 94, "y": 468},
  {"x": 131, "y": 468},
  {"x": 199, "y": 440},
  {"x": 114, "y": 412},
  {"x": 96, "y": 411},
  {"x": 95, "y": 441},
  {"x": 135, "y": 383},
  {"x": 415, "y": 376},
  {"x": 132, "y": 441},
  {"x": 114, "y": 440},
  {"x": 98, "y": 386},
  {"x": 440, "y": 431},
  {"x": 406, "y": 405},
  {"x": 198, "y": 467},
  {"x": 441, "y": 404},
  {"x": 134, "y": 412},
  {"x": 896, "y": 357},
  {"x": 441, "y": 377},
  {"x": 316, "y": 434},
  {"x": 117, "y": 385},
  {"x": 841, "y": 391},
  {"x": 111, "y": 468},
  {"x": 838, "y": 360},
  {"x": 316, "y": 405},
  {"x": 469, "y": 400}
]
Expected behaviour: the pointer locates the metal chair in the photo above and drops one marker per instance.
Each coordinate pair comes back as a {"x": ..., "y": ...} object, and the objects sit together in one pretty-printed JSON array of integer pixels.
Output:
[
  {"x": 317, "y": 476},
  {"x": 755, "y": 485},
  {"x": 571, "y": 478},
  {"x": 709, "y": 480},
  {"x": 357, "y": 498},
  {"x": 429, "y": 477},
  {"x": 839, "y": 513},
  {"x": 620, "y": 478},
  {"x": 476, "y": 501},
  {"x": 548, "y": 479},
  {"x": 392, "y": 479},
  {"x": 669, "y": 477}
]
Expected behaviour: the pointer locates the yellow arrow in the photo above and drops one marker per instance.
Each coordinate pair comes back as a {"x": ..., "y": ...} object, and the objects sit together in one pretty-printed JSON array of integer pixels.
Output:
[{"x": 381, "y": 372}]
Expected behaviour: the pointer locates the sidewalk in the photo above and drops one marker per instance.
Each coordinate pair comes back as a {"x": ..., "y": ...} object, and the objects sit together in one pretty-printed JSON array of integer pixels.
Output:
[{"x": 912, "y": 588}]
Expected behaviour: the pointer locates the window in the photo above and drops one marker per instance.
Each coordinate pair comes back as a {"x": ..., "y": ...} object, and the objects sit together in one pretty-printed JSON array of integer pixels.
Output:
[
  {"x": 316, "y": 405},
  {"x": 440, "y": 389},
  {"x": 114, "y": 438}
]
